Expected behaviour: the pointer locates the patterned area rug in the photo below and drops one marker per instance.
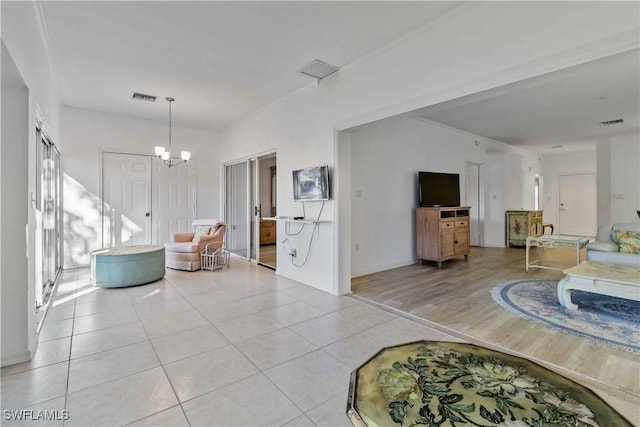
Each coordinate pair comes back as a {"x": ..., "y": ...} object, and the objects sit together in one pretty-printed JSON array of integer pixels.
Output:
[
  {"x": 444, "y": 384},
  {"x": 609, "y": 320}
]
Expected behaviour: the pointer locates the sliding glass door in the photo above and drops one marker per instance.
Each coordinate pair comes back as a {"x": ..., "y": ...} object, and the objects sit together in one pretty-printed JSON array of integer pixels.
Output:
[
  {"x": 245, "y": 206},
  {"x": 254, "y": 217},
  {"x": 237, "y": 208},
  {"x": 48, "y": 215}
]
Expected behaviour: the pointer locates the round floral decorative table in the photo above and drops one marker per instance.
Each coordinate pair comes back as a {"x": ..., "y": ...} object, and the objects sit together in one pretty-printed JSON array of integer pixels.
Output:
[{"x": 443, "y": 384}]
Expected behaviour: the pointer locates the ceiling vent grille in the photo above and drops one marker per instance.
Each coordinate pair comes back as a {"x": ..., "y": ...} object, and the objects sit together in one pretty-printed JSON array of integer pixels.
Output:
[
  {"x": 318, "y": 69},
  {"x": 143, "y": 97},
  {"x": 612, "y": 122}
]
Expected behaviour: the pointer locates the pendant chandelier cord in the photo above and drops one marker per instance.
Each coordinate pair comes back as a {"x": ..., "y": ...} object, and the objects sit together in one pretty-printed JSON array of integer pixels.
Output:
[{"x": 170, "y": 101}]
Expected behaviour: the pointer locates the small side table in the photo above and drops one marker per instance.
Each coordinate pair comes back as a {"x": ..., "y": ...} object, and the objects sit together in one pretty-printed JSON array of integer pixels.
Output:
[
  {"x": 552, "y": 242},
  {"x": 213, "y": 259}
]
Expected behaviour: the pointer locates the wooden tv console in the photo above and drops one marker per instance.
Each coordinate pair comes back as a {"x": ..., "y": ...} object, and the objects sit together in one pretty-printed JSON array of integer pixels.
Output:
[{"x": 442, "y": 233}]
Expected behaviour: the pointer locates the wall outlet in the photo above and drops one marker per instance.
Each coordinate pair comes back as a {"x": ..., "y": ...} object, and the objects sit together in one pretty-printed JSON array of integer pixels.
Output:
[{"x": 293, "y": 253}]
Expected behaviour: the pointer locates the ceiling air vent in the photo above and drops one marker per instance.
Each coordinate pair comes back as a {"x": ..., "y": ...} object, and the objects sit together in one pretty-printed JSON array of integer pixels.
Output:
[
  {"x": 318, "y": 69},
  {"x": 143, "y": 97},
  {"x": 612, "y": 122}
]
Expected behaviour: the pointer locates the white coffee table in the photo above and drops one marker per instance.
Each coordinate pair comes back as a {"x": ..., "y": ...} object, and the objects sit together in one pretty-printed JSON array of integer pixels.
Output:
[
  {"x": 616, "y": 280},
  {"x": 552, "y": 242}
]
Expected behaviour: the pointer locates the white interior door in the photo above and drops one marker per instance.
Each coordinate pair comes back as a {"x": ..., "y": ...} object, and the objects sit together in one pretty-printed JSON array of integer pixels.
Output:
[
  {"x": 472, "y": 198},
  {"x": 577, "y": 205},
  {"x": 126, "y": 184},
  {"x": 174, "y": 200}
]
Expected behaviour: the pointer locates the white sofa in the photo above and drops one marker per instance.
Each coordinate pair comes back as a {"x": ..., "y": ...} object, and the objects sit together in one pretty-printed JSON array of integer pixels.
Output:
[{"x": 605, "y": 248}]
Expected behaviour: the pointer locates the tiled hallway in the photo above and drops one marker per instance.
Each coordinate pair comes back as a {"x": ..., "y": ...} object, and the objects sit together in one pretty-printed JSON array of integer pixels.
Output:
[{"x": 239, "y": 346}]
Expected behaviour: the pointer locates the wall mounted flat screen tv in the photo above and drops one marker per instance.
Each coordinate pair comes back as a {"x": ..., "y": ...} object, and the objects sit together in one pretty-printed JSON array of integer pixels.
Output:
[
  {"x": 438, "y": 189},
  {"x": 311, "y": 183}
]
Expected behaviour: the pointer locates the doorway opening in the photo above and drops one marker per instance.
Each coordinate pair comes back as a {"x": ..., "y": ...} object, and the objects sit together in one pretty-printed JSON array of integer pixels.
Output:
[
  {"x": 536, "y": 193},
  {"x": 267, "y": 206},
  {"x": 473, "y": 197},
  {"x": 250, "y": 199}
]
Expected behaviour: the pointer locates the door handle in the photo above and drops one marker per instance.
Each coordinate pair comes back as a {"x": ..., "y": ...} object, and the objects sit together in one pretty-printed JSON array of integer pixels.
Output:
[{"x": 147, "y": 214}]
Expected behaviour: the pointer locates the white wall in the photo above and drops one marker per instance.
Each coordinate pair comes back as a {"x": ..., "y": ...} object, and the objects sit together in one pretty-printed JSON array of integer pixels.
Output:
[
  {"x": 13, "y": 220},
  {"x": 508, "y": 186},
  {"x": 297, "y": 147},
  {"x": 479, "y": 46},
  {"x": 562, "y": 164},
  {"x": 625, "y": 178},
  {"x": 492, "y": 174},
  {"x": 87, "y": 134},
  {"x": 603, "y": 181},
  {"x": 21, "y": 37},
  {"x": 616, "y": 163},
  {"x": 385, "y": 159}
]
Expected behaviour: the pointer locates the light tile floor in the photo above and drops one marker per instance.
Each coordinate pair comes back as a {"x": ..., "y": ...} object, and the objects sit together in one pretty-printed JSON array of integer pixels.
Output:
[
  {"x": 234, "y": 347},
  {"x": 240, "y": 346}
]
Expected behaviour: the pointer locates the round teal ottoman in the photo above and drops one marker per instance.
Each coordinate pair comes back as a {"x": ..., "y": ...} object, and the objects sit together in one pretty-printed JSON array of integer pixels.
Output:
[{"x": 127, "y": 266}]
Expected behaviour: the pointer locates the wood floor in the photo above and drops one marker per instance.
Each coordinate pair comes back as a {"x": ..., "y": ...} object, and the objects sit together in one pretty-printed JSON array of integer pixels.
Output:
[
  {"x": 268, "y": 255},
  {"x": 457, "y": 299}
]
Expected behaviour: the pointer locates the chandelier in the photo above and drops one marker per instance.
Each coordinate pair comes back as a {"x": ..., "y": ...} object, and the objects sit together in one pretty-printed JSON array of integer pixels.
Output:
[{"x": 165, "y": 155}]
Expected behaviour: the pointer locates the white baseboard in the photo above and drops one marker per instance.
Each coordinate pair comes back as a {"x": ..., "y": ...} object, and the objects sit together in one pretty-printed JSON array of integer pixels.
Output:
[
  {"x": 16, "y": 358},
  {"x": 384, "y": 268},
  {"x": 311, "y": 285}
]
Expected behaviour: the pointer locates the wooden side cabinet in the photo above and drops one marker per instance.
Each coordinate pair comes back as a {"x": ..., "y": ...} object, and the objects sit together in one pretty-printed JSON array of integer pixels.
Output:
[
  {"x": 522, "y": 224},
  {"x": 267, "y": 232},
  {"x": 442, "y": 233}
]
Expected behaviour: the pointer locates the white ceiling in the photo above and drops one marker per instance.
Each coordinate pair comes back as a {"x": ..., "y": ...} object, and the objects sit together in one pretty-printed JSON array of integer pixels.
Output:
[
  {"x": 223, "y": 60},
  {"x": 219, "y": 60},
  {"x": 562, "y": 109}
]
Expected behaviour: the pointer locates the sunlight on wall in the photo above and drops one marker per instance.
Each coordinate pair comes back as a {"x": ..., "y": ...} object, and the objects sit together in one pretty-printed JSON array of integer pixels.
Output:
[
  {"x": 82, "y": 225},
  {"x": 129, "y": 230},
  {"x": 81, "y": 218},
  {"x": 119, "y": 230}
]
